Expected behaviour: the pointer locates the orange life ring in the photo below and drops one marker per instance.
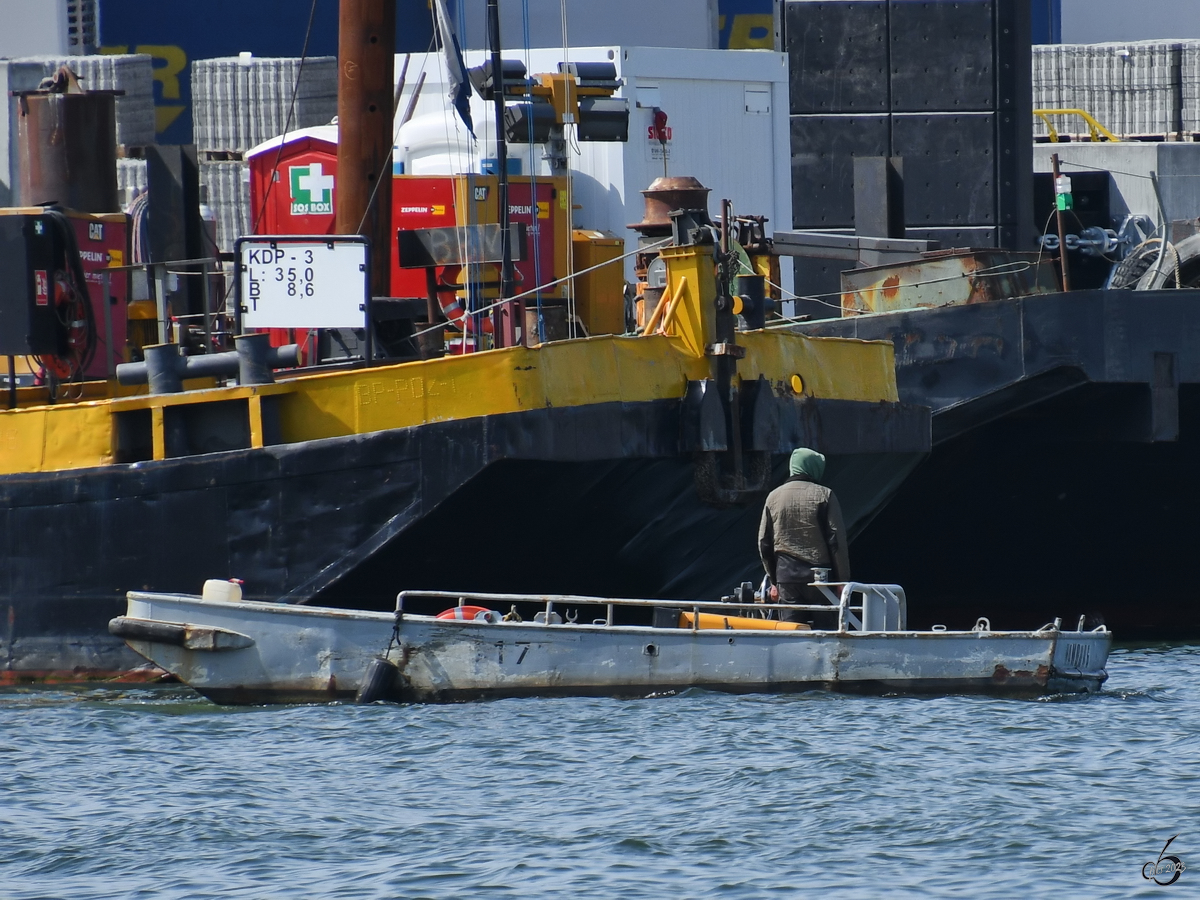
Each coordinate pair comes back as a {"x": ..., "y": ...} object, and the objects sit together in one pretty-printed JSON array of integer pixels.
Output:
[
  {"x": 470, "y": 613},
  {"x": 453, "y": 310},
  {"x": 456, "y": 315}
]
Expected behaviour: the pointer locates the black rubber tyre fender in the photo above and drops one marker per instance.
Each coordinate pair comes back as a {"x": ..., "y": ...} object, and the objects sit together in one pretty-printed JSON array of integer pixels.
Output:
[{"x": 1162, "y": 277}]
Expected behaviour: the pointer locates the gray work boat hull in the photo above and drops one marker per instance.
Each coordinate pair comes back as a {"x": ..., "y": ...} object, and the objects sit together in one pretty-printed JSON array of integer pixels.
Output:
[{"x": 251, "y": 652}]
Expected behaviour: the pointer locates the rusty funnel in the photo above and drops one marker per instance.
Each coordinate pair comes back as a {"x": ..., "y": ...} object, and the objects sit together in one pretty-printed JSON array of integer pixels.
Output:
[{"x": 664, "y": 195}]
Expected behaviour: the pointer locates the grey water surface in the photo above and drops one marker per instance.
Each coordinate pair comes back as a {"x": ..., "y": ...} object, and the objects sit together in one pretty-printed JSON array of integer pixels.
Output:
[{"x": 153, "y": 792}]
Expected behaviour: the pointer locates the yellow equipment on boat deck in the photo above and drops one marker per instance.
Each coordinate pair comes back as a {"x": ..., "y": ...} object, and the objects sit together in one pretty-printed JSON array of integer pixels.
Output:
[{"x": 712, "y": 620}]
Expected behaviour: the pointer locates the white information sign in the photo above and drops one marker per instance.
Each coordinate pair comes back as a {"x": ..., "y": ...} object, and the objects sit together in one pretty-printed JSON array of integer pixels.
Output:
[
  {"x": 658, "y": 142},
  {"x": 307, "y": 282}
]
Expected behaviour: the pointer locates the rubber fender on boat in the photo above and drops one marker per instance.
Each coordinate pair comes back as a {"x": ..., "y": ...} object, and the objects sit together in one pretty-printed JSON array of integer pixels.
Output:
[
  {"x": 148, "y": 630},
  {"x": 379, "y": 682},
  {"x": 472, "y": 613},
  {"x": 712, "y": 620}
]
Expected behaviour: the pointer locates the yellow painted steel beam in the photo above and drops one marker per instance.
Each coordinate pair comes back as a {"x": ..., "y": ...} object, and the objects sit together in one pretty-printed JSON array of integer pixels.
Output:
[
  {"x": 693, "y": 305},
  {"x": 256, "y": 420},
  {"x": 158, "y": 431},
  {"x": 55, "y": 437},
  {"x": 829, "y": 368}
]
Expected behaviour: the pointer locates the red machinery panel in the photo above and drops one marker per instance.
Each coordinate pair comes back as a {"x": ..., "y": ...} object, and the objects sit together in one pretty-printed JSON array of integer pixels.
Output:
[
  {"x": 104, "y": 241},
  {"x": 539, "y": 218},
  {"x": 419, "y": 202},
  {"x": 432, "y": 202}
]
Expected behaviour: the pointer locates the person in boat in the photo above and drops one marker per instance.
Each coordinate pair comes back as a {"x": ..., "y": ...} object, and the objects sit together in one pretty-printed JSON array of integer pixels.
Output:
[{"x": 802, "y": 530}]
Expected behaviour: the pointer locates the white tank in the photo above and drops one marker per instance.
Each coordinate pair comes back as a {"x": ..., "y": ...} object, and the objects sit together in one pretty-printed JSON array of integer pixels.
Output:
[
  {"x": 437, "y": 144},
  {"x": 218, "y": 590}
]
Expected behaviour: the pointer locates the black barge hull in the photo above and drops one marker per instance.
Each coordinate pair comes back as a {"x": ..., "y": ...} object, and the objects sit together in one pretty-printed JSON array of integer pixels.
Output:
[{"x": 1065, "y": 474}]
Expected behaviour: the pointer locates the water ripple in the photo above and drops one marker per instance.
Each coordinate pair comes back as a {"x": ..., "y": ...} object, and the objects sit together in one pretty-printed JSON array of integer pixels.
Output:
[{"x": 151, "y": 792}]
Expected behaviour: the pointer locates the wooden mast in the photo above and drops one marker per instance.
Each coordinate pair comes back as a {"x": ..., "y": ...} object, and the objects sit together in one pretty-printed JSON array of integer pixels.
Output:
[{"x": 363, "y": 194}]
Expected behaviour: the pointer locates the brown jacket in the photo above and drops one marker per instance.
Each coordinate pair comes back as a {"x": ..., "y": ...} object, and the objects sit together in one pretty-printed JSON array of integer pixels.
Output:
[{"x": 803, "y": 520}]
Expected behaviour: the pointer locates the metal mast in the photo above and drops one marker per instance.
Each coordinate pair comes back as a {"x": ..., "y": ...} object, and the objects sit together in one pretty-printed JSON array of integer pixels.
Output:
[{"x": 508, "y": 311}]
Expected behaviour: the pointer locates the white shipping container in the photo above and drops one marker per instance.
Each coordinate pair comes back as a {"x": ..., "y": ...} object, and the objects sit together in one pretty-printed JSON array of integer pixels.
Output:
[
  {"x": 727, "y": 112},
  {"x": 51, "y": 27}
]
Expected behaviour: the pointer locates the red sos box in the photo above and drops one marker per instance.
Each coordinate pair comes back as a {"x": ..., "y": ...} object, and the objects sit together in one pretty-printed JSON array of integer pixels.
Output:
[{"x": 293, "y": 190}]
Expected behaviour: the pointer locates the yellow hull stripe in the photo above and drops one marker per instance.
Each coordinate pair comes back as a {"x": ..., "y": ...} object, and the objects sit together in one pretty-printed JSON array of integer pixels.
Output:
[{"x": 564, "y": 374}]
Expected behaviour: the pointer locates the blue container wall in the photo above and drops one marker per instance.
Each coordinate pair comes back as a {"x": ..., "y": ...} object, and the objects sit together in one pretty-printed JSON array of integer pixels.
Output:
[
  {"x": 176, "y": 33},
  {"x": 1047, "y": 21},
  {"x": 746, "y": 24}
]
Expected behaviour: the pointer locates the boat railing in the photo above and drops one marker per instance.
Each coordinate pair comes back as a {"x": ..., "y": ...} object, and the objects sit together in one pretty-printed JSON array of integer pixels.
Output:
[{"x": 883, "y": 607}]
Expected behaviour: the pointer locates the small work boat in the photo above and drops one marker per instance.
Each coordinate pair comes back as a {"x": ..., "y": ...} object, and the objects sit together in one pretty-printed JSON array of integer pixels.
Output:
[{"x": 240, "y": 652}]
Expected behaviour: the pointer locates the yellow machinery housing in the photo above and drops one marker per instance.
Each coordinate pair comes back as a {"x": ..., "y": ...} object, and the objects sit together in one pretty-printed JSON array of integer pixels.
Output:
[{"x": 599, "y": 294}]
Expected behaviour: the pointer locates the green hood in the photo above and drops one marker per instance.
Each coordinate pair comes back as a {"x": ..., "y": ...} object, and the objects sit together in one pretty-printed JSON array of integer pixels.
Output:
[{"x": 807, "y": 462}]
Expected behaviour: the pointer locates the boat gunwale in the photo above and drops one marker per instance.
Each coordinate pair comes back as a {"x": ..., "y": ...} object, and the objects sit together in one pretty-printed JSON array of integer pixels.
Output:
[{"x": 390, "y": 618}]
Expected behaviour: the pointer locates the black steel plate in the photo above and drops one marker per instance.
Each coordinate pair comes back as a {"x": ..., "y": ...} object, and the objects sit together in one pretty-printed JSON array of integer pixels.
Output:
[
  {"x": 942, "y": 55},
  {"x": 954, "y": 238},
  {"x": 819, "y": 284},
  {"x": 949, "y": 168},
  {"x": 837, "y": 56},
  {"x": 1091, "y": 194},
  {"x": 823, "y": 151}
]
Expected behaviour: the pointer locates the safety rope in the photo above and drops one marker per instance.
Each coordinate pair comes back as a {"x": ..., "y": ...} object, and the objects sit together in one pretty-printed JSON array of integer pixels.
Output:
[
  {"x": 551, "y": 284},
  {"x": 572, "y": 330},
  {"x": 536, "y": 230},
  {"x": 287, "y": 124}
]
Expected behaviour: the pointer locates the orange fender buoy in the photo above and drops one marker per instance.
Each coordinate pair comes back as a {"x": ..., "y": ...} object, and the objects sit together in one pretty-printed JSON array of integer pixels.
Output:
[{"x": 470, "y": 613}]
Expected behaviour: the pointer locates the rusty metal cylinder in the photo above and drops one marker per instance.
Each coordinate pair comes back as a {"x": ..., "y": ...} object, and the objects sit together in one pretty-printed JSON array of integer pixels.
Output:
[{"x": 67, "y": 151}]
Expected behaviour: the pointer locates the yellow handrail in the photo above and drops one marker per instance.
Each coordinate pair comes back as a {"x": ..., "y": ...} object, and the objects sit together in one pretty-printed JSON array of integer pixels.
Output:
[{"x": 1094, "y": 127}]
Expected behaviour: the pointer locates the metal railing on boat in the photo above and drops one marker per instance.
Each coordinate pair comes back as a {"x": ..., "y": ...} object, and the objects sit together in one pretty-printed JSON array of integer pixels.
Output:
[{"x": 883, "y": 607}]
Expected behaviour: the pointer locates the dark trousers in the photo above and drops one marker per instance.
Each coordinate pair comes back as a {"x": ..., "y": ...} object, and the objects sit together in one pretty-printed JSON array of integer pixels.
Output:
[
  {"x": 796, "y": 588},
  {"x": 798, "y": 592}
]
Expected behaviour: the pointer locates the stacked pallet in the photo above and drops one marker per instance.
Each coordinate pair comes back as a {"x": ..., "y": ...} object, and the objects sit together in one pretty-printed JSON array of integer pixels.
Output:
[
  {"x": 239, "y": 102},
  {"x": 1135, "y": 89},
  {"x": 131, "y": 179},
  {"x": 228, "y": 195},
  {"x": 1190, "y": 88}
]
